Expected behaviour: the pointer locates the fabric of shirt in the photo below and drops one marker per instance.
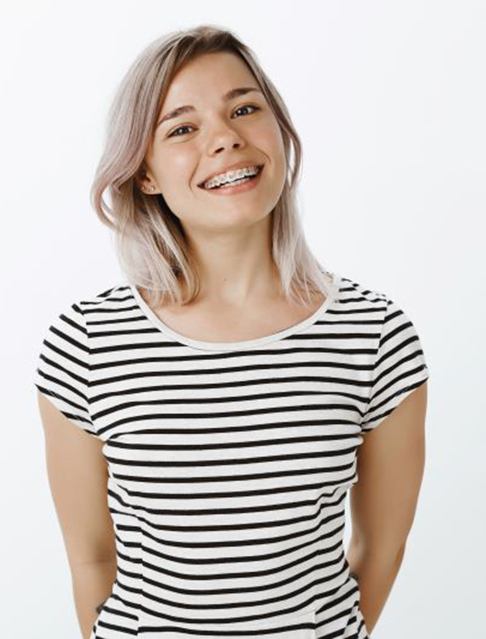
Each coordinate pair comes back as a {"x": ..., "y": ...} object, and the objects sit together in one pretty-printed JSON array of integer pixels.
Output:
[{"x": 229, "y": 462}]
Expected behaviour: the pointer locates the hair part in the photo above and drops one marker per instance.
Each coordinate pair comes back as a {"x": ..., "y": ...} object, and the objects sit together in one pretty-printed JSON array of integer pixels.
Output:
[{"x": 150, "y": 242}]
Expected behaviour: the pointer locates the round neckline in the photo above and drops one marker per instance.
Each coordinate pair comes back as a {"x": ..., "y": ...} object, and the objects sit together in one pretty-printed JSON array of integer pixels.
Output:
[{"x": 240, "y": 344}]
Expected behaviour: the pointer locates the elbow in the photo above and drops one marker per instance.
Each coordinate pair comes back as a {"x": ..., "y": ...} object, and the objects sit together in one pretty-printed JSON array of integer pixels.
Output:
[{"x": 383, "y": 550}]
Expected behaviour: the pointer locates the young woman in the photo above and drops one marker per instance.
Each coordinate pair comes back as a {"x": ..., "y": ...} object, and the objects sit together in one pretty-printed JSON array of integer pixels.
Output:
[{"x": 206, "y": 418}]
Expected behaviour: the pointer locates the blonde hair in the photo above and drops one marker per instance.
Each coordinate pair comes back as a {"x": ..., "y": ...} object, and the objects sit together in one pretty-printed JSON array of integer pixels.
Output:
[{"x": 149, "y": 239}]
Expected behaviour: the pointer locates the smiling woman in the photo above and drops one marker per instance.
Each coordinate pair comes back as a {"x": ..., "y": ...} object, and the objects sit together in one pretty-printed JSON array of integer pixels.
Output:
[
  {"x": 195, "y": 105},
  {"x": 183, "y": 153},
  {"x": 230, "y": 381}
]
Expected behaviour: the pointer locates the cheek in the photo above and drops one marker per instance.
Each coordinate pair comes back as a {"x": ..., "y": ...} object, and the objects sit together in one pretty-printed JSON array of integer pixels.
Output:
[
  {"x": 181, "y": 162},
  {"x": 176, "y": 169},
  {"x": 269, "y": 139}
]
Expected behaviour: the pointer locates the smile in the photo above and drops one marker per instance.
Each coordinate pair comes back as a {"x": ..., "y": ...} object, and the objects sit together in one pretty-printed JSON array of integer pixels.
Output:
[{"x": 238, "y": 186}]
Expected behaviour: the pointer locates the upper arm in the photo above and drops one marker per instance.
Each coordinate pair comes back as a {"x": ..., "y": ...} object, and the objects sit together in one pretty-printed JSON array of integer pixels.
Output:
[
  {"x": 390, "y": 468},
  {"x": 77, "y": 473},
  {"x": 391, "y": 458},
  {"x": 77, "y": 469}
]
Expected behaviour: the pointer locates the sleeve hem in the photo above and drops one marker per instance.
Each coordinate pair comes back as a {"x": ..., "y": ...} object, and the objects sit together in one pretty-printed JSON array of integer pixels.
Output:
[
  {"x": 394, "y": 401},
  {"x": 63, "y": 372}
]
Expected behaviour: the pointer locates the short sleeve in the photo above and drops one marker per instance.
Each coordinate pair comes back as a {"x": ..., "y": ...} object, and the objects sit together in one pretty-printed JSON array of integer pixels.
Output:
[
  {"x": 399, "y": 368},
  {"x": 63, "y": 366}
]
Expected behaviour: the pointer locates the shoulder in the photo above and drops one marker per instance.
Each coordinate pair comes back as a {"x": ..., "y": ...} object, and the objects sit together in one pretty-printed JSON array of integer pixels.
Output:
[
  {"x": 391, "y": 362},
  {"x": 117, "y": 298},
  {"x": 374, "y": 307},
  {"x": 360, "y": 297},
  {"x": 115, "y": 295},
  {"x": 74, "y": 321}
]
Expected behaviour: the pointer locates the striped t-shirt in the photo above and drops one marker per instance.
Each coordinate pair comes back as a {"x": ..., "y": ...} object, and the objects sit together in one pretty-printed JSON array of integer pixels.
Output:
[{"x": 229, "y": 462}]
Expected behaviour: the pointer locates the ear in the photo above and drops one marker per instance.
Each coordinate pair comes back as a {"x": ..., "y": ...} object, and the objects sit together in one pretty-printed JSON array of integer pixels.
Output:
[{"x": 145, "y": 181}]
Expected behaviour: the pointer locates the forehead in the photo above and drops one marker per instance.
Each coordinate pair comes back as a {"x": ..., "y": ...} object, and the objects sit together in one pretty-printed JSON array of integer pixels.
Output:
[{"x": 208, "y": 76}]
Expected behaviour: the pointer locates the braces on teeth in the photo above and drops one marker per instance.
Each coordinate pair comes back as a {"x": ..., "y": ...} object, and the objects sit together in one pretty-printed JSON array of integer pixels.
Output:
[{"x": 231, "y": 176}]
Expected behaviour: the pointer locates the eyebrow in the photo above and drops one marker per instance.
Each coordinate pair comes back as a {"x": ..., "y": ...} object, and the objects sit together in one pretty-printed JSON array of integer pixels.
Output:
[{"x": 230, "y": 95}]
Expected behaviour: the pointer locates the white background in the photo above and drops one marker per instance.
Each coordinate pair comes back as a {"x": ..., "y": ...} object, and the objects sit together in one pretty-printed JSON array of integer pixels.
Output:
[{"x": 389, "y": 100}]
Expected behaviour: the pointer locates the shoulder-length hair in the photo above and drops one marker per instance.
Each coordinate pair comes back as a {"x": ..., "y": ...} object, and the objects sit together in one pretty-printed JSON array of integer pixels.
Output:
[{"x": 149, "y": 239}]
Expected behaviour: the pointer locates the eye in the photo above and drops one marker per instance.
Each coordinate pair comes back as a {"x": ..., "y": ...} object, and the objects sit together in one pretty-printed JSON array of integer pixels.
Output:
[
  {"x": 185, "y": 126},
  {"x": 245, "y": 106},
  {"x": 173, "y": 134}
]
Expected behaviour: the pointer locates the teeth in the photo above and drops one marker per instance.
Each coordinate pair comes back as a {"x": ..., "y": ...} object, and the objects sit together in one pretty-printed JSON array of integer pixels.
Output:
[{"x": 230, "y": 176}]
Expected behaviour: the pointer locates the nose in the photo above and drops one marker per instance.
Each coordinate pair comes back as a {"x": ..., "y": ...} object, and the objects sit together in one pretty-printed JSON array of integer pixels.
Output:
[
  {"x": 235, "y": 145},
  {"x": 225, "y": 137}
]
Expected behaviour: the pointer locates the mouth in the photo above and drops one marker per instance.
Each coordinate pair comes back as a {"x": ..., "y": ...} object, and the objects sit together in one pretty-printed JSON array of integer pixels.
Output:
[{"x": 235, "y": 184}]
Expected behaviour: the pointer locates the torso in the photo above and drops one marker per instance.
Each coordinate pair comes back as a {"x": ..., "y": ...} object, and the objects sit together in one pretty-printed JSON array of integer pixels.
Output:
[{"x": 213, "y": 323}]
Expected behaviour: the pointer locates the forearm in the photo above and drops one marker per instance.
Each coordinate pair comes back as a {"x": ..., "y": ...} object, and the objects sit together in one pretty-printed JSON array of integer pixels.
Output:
[
  {"x": 376, "y": 571},
  {"x": 92, "y": 584}
]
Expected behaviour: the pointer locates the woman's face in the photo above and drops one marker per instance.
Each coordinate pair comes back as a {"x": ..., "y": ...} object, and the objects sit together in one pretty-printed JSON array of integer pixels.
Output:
[{"x": 206, "y": 140}]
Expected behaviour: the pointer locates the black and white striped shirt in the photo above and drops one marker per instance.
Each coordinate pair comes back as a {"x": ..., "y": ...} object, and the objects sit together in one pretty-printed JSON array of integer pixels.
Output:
[{"x": 229, "y": 462}]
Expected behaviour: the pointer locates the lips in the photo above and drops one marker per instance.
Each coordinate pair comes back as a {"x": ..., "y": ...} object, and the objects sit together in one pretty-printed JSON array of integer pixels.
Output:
[{"x": 234, "y": 167}]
